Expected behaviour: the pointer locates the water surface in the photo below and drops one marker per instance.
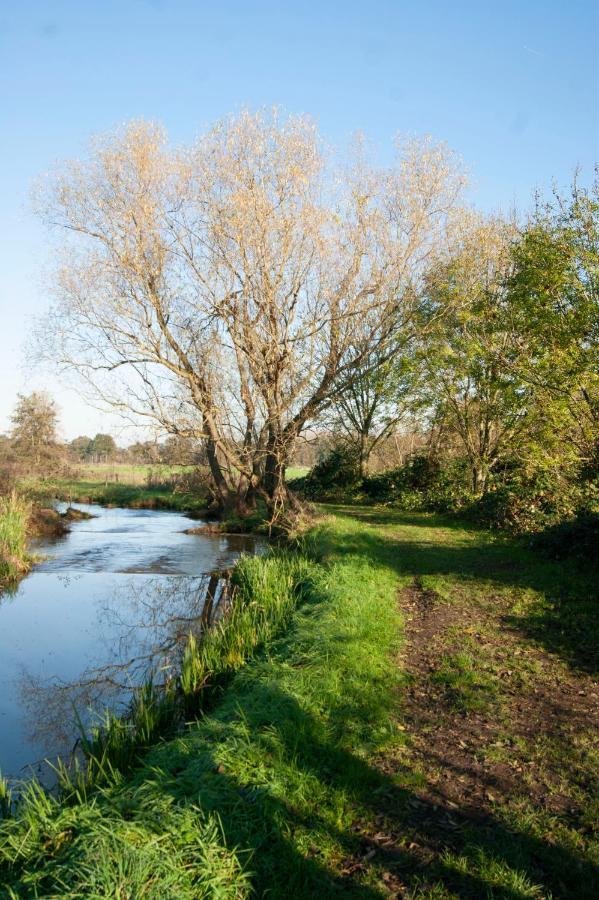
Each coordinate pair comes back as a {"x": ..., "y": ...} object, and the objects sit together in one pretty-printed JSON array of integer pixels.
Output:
[{"x": 111, "y": 600}]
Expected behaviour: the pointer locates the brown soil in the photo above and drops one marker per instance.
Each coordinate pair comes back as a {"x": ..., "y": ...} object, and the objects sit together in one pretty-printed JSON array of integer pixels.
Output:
[
  {"x": 554, "y": 705},
  {"x": 47, "y": 522},
  {"x": 474, "y": 764},
  {"x": 205, "y": 529},
  {"x": 76, "y": 515}
]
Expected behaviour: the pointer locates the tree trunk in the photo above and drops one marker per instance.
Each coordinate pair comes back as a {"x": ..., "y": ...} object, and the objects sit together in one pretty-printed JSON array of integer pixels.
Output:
[
  {"x": 362, "y": 454},
  {"x": 479, "y": 479},
  {"x": 274, "y": 482},
  {"x": 223, "y": 495},
  {"x": 277, "y": 494}
]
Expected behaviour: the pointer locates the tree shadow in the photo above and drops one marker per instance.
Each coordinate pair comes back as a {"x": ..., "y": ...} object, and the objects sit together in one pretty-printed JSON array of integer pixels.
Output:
[
  {"x": 403, "y": 839},
  {"x": 564, "y": 619}
]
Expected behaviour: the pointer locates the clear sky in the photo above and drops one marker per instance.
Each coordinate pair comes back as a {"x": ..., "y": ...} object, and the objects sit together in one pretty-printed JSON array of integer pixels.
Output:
[{"x": 512, "y": 86}]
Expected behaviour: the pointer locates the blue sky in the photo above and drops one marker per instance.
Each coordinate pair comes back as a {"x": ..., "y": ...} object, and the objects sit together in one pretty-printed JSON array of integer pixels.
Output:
[{"x": 512, "y": 86}]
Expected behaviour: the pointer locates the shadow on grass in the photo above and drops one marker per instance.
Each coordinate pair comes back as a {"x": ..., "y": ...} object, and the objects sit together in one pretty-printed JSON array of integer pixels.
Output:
[
  {"x": 564, "y": 619},
  {"x": 404, "y": 842},
  {"x": 316, "y": 819}
]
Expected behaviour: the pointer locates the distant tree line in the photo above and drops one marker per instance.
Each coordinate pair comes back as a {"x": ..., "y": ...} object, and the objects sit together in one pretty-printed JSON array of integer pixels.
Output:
[{"x": 33, "y": 446}]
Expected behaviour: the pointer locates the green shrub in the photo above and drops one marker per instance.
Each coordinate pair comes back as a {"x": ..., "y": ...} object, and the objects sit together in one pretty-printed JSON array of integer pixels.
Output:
[
  {"x": 577, "y": 537},
  {"x": 531, "y": 502},
  {"x": 335, "y": 476},
  {"x": 424, "y": 482}
]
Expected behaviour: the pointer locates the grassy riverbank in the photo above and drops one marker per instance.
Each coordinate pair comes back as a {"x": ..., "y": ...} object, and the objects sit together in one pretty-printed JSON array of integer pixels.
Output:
[
  {"x": 134, "y": 486},
  {"x": 14, "y": 519},
  {"x": 422, "y": 727},
  {"x": 98, "y": 489}
]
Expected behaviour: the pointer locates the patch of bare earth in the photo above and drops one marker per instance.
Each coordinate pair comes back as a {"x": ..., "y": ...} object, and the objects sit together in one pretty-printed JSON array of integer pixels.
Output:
[{"x": 524, "y": 748}]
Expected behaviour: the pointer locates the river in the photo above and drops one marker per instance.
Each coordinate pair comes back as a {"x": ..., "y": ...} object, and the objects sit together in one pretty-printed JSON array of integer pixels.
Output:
[{"x": 109, "y": 603}]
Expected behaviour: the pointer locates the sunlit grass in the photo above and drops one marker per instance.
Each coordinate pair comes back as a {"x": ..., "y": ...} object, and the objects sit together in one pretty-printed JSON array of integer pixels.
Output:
[
  {"x": 134, "y": 494},
  {"x": 292, "y": 472},
  {"x": 14, "y": 516},
  {"x": 289, "y": 705},
  {"x": 467, "y": 684}
]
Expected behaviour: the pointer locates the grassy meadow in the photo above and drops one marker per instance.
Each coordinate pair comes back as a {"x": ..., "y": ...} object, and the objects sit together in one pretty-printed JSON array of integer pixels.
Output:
[
  {"x": 115, "y": 484},
  {"x": 128, "y": 473},
  {"x": 147, "y": 486},
  {"x": 405, "y": 710}
]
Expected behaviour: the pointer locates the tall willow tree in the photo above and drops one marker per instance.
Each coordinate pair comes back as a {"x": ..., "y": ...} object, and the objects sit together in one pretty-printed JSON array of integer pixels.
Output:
[{"x": 216, "y": 290}]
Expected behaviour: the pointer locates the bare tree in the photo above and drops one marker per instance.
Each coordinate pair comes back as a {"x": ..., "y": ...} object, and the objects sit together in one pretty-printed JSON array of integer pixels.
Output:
[
  {"x": 369, "y": 407},
  {"x": 217, "y": 290}
]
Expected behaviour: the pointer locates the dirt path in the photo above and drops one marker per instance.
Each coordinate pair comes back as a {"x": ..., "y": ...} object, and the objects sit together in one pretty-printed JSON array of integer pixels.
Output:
[
  {"x": 505, "y": 738},
  {"x": 539, "y": 703}
]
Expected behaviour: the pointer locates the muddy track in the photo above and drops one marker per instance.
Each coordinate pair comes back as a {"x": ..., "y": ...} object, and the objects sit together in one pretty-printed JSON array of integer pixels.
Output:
[
  {"x": 475, "y": 765},
  {"x": 554, "y": 706}
]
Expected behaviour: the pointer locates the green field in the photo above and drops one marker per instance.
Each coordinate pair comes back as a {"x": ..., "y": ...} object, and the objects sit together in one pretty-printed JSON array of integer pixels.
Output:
[
  {"x": 423, "y": 727},
  {"x": 146, "y": 486},
  {"x": 125, "y": 473},
  {"x": 296, "y": 472}
]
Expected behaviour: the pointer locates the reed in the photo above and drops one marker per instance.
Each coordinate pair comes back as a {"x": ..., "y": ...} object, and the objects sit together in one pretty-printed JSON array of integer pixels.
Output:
[
  {"x": 14, "y": 517},
  {"x": 265, "y": 592},
  {"x": 5, "y": 798}
]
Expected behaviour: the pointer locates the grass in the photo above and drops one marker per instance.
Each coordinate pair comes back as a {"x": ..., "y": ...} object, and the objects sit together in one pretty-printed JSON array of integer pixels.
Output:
[
  {"x": 131, "y": 474},
  {"x": 306, "y": 774},
  {"x": 292, "y": 472},
  {"x": 467, "y": 685},
  {"x": 14, "y": 559},
  {"x": 131, "y": 490},
  {"x": 265, "y": 592}
]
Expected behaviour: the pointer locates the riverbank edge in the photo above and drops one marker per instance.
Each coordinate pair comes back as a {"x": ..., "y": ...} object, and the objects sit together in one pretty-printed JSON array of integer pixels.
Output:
[
  {"x": 274, "y": 594},
  {"x": 311, "y": 774},
  {"x": 38, "y": 519},
  {"x": 38, "y": 522},
  {"x": 111, "y": 494},
  {"x": 249, "y": 614},
  {"x": 15, "y": 558}
]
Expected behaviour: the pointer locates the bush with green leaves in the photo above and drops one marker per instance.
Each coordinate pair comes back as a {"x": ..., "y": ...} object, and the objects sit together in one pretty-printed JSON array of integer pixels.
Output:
[
  {"x": 577, "y": 537},
  {"x": 335, "y": 476},
  {"x": 424, "y": 482},
  {"x": 528, "y": 501}
]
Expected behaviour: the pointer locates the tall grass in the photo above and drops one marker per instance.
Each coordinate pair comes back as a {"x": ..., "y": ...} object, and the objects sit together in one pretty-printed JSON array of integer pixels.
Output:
[
  {"x": 5, "y": 798},
  {"x": 265, "y": 591},
  {"x": 154, "y": 848},
  {"x": 14, "y": 516}
]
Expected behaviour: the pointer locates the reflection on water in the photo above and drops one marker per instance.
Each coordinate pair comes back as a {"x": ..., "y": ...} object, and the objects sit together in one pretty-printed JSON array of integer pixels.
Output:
[{"x": 113, "y": 603}]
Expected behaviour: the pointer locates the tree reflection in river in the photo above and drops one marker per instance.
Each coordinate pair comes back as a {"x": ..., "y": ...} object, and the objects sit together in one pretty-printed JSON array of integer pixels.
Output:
[{"x": 141, "y": 632}]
